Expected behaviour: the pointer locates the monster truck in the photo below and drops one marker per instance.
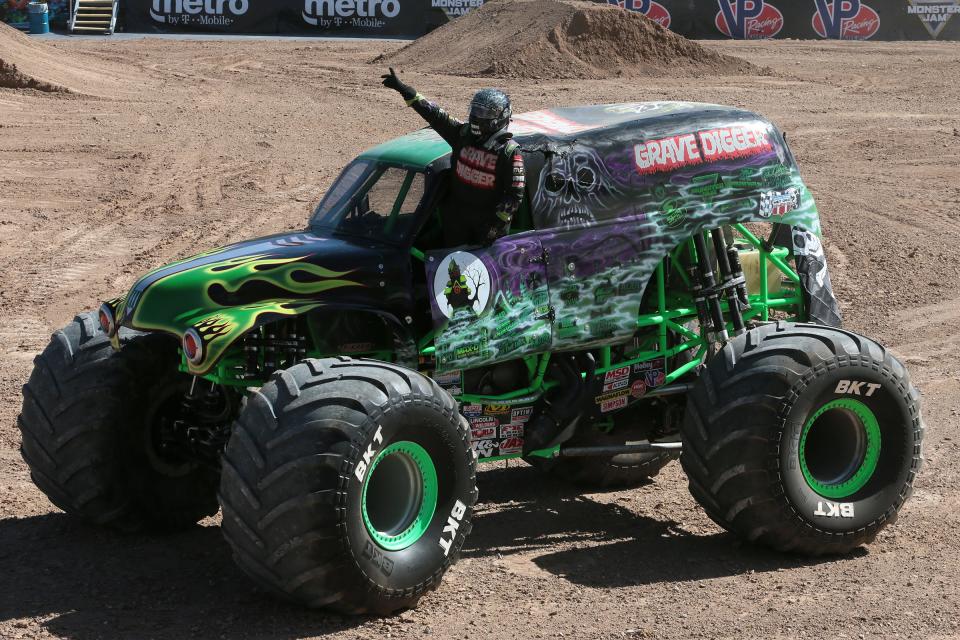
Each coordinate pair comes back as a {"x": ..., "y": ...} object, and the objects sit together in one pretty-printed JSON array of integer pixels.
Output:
[{"x": 663, "y": 293}]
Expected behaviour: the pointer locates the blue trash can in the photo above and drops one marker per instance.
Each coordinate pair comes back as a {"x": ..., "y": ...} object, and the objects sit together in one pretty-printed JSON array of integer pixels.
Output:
[{"x": 39, "y": 17}]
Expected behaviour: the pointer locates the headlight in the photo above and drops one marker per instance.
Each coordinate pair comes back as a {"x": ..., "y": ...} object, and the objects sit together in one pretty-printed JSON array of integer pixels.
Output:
[
  {"x": 107, "y": 320},
  {"x": 192, "y": 346}
]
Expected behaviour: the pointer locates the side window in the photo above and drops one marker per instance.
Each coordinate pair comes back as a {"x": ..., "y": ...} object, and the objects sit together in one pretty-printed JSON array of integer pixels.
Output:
[
  {"x": 386, "y": 192},
  {"x": 387, "y": 209}
]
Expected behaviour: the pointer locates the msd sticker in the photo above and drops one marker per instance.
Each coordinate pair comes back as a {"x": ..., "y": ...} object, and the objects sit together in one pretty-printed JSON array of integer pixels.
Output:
[
  {"x": 748, "y": 19},
  {"x": 845, "y": 20},
  {"x": 616, "y": 374}
]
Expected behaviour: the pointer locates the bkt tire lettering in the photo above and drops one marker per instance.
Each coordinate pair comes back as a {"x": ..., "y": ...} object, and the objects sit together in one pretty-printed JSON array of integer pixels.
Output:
[
  {"x": 856, "y": 388},
  {"x": 453, "y": 524},
  {"x": 380, "y": 561},
  {"x": 834, "y": 509},
  {"x": 368, "y": 455}
]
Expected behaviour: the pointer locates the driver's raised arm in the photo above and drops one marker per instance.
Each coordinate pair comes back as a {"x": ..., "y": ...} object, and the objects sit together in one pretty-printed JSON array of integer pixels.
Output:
[{"x": 443, "y": 123}]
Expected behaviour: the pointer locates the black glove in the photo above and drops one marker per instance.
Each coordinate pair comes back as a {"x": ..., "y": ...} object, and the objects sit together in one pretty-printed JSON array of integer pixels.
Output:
[{"x": 391, "y": 81}]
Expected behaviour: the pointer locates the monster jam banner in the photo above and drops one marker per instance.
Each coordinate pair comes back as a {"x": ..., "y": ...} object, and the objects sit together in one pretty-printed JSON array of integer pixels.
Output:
[
  {"x": 368, "y": 18},
  {"x": 805, "y": 19}
]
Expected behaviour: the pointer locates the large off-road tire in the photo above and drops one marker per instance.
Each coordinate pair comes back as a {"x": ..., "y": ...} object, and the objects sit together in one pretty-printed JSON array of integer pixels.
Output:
[
  {"x": 87, "y": 423},
  {"x": 348, "y": 484},
  {"x": 803, "y": 438}
]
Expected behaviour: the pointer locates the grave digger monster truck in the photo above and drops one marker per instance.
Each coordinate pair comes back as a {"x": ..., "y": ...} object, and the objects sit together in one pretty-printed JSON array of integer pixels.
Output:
[{"x": 664, "y": 293}]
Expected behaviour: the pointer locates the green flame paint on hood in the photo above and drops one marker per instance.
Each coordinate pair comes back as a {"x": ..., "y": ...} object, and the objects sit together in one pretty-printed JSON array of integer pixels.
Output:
[{"x": 224, "y": 293}]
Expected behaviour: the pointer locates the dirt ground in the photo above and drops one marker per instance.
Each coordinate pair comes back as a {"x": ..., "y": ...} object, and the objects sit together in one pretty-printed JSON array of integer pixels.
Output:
[{"x": 210, "y": 142}]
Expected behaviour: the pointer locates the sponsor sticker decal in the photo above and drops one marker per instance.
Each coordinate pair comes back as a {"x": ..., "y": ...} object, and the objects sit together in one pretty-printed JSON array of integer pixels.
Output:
[
  {"x": 845, "y": 20},
  {"x": 511, "y": 431},
  {"x": 638, "y": 389},
  {"x": 482, "y": 421},
  {"x": 471, "y": 409},
  {"x": 614, "y": 404},
  {"x": 511, "y": 445},
  {"x": 483, "y": 433},
  {"x": 616, "y": 374},
  {"x": 613, "y": 395},
  {"x": 779, "y": 203},
  {"x": 616, "y": 384},
  {"x": 484, "y": 448},
  {"x": 494, "y": 409},
  {"x": 521, "y": 414},
  {"x": 748, "y": 19},
  {"x": 448, "y": 379}
]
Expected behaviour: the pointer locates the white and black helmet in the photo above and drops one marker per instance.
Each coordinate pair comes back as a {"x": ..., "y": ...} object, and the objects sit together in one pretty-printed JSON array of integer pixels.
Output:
[{"x": 489, "y": 112}]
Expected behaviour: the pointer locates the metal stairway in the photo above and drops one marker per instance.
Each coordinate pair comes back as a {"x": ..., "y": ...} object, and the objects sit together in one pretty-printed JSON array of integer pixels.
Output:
[{"x": 93, "y": 16}]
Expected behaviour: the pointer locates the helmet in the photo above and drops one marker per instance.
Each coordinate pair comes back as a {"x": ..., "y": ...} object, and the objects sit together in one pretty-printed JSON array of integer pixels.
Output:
[{"x": 489, "y": 112}]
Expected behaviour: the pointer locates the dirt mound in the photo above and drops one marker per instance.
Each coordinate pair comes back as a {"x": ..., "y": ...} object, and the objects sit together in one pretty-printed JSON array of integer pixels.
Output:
[
  {"x": 14, "y": 46},
  {"x": 30, "y": 63},
  {"x": 559, "y": 39}
]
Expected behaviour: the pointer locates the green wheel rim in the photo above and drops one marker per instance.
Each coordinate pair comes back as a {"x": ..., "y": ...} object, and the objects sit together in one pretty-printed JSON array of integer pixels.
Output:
[
  {"x": 399, "y": 495},
  {"x": 860, "y": 425}
]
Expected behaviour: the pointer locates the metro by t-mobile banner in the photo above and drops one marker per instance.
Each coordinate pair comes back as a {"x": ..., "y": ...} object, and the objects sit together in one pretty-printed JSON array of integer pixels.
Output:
[
  {"x": 805, "y": 19},
  {"x": 371, "y": 18}
]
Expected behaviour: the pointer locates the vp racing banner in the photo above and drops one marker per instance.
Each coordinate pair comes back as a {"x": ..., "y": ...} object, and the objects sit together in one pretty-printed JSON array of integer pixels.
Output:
[{"x": 804, "y": 19}]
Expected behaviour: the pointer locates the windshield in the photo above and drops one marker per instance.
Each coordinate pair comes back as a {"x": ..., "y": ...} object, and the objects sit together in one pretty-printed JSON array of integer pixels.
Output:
[{"x": 373, "y": 201}]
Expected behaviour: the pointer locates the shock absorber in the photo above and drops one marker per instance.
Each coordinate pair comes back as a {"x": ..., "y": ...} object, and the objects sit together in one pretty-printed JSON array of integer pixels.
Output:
[
  {"x": 729, "y": 287},
  {"x": 709, "y": 289}
]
